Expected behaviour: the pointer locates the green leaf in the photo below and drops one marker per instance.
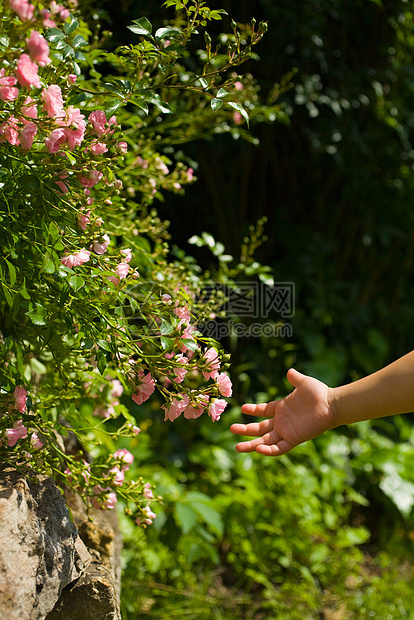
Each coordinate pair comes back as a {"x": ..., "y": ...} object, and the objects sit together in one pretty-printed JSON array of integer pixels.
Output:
[
  {"x": 37, "y": 366},
  {"x": 76, "y": 282},
  {"x": 37, "y": 315},
  {"x": 190, "y": 344},
  {"x": 101, "y": 359},
  {"x": 48, "y": 265},
  {"x": 222, "y": 93},
  {"x": 71, "y": 26},
  {"x": 185, "y": 516},
  {"x": 7, "y": 295},
  {"x": 112, "y": 107},
  {"x": 239, "y": 108},
  {"x": 171, "y": 33},
  {"x": 167, "y": 343},
  {"x": 141, "y": 26},
  {"x": 166, "y": 328},
  {"x": 103, "y": 344},
  {"x": 12, "y": 272},
  {"x": 29, "y": 182},
  {"x": 203, "y": 82},
  {"x": 54, "y": 34},
  {"x": 79, "y": 41},
  {"x": 216, "y": 104}
]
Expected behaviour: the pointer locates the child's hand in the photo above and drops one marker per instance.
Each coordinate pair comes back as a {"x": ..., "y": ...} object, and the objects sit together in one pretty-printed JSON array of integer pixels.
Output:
[{"x": 304, "y": 414}]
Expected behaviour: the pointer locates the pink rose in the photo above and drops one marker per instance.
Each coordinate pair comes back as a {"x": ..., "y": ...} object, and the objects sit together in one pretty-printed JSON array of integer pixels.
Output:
[
  {"x": 224, "y": 384},
  {"x": 73, "y": 260},
  {"x": 148, "y": 494},
  {"x": 212, "y": 364},
  {"x": 53, "y": 101},
  {"x": 76, "y": 126},
  {"x": 9, "y": 131},
  {"x": 98, "y": 148},
  {"x": 35, "y": 441},
  {"x": 26, "y": 72},
  {"x": 12, "y": 436},
  {"x": 175, "y": 408},
  {"x": 29, "y": 109},
  {"x": 127, "y": 255},
  {"x": 216, "y": 408},
  {"x": 90, "y": 179},
  {"x": 122, "y": 147},
  {"x": 110, "y": 501},
  {"x": 125, "y": 457},
  {"x": 8, "y": 92},
  {"x": 38, "y": 48},
  {"x": 23, "y": 9},
  {"x": 27, "y": 135},
  {"x": 191, "y": 412},
  {"x": 98, "y": 120},
  {"x": 144, "y": 389},
  {"x": 122, "y": 270},
  {"x": 180, "y": 372},
  {"x": 47, "y": 22},
  {"x": 119, "y": 476},
  {"x": 100, "y": 247},
  {"x": 83, "y": 219},
  {"x": 72, "y": 78},
  {"x": 20, "y": 397},
  {"x": 55, "y": 140}
]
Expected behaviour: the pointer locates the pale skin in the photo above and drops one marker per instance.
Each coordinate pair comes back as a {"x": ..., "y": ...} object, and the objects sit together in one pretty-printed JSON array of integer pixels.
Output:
[{"x": 313, "y": 408}]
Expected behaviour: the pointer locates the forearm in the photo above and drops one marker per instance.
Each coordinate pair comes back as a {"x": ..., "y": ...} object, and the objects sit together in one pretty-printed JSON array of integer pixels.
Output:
[{"x": 389, "y": 391}]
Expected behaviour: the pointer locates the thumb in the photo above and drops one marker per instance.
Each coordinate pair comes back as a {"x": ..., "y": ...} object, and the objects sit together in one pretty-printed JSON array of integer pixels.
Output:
[{"x": 295, "y": 377}]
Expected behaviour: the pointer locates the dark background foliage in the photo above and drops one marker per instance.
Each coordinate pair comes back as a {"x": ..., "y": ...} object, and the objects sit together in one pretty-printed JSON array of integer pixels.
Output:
[{"x": 335, "y": 184}]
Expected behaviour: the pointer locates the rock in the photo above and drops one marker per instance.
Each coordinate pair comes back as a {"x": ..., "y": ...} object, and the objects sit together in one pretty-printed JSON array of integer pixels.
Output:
[
  {"x": 95, "y": 595},
  {"x": 41, "y": 552},
  {"x": 91, "y": 597}
]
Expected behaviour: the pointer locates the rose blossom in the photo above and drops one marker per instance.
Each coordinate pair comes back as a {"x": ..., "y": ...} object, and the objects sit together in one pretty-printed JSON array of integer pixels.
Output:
[
  {"x": 98, "y": 148},
  {"x": 53, "y": 101},
  {"x": 27, "y": 135},
  {"x": 145, "y": 387},
  {"x": 72, "y": 78},
  {"x": 127, "y": 255},
  {"x": 47, "y": 22},
  {"x": 35, "y": 441},
  {"x": 122, "y": 270},
  {"x": 93, "y": 177},
  {"x": 83, "y": 219},
  {"x": 26, "y": 72},
  {"x": 123, "y": 147},
  {"x": 180, "y": 372},
  {"x": 191, "y": 412},
  {"x": 110, "y": 501},
  {"x": 100, "y": 247},
  {"x": 224, "y": 384},
  {"x": 75, "y": 130},
  {"x": 38, "y": 48},
  {"x": 148, "y": 494},
  {"x": 125, "y": 457},
  {"x": 55, "y": 140},
  {"x": 216, "y": 408},
  {"x": 73, "y": 260},
  {"x": 20, "y": 397},
  {"x": 175, "y": 408},
  {"x": 8, "y": 92},
  {"x": 213, "y": 364},
  {"x": 23, "y": 9},
  {"x": 148, "y": 516},
  {"x": 9, "y": 131},
  {"x": 100, "y": 123},
  {"x": 119, "y": 476}
]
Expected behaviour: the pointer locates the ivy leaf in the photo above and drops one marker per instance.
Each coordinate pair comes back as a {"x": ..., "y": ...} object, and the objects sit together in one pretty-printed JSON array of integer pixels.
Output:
[{"x": 239, "y": 108}]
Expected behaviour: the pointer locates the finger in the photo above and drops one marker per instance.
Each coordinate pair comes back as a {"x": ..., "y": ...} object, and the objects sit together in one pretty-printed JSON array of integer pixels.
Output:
[
  {"x": 275, "y": 449},
  {"x": 295, "y": 377},
  {"x": 248, "y": 446},
  {"x": 263, "y": 409},
  {"x": 255, "y": 429}
]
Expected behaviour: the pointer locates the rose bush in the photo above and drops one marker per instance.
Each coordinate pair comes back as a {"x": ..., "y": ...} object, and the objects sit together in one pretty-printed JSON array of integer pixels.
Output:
[{"x": 95, "y": 311}]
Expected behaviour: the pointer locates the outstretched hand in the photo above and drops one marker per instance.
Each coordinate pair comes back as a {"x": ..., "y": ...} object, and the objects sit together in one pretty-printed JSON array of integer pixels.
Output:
[{"x": 304, "y": 414}]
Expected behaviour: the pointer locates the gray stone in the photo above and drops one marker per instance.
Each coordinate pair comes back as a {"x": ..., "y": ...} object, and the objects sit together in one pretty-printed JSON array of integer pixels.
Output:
[
  {"x": 91, "y": 597},
  {"x": 40, "y": 551}
]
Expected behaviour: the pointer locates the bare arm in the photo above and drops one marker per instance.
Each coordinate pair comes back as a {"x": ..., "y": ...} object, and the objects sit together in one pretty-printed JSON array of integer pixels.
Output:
[{"x": 313, "y": 408}]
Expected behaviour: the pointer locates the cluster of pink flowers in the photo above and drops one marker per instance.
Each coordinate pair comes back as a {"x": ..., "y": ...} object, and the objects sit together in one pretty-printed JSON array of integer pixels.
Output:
[{"x": 145, "y": 386}]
